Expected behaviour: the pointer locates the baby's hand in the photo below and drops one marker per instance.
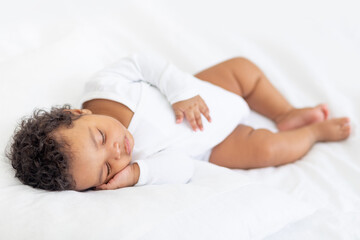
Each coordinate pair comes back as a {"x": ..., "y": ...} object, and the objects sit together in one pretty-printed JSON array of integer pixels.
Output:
[
  {"x": 191, "y": 109},
  {"x": 125, "y": 178}
]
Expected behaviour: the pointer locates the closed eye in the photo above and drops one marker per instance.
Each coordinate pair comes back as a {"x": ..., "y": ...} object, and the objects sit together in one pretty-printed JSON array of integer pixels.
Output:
[
  {"x": 108, "y": 168},
  {"x": 103, "y": 136}
]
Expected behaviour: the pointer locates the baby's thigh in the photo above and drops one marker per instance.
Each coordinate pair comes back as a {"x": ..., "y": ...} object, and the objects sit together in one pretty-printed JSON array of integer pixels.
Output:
[{"x": 221, "y": 75}]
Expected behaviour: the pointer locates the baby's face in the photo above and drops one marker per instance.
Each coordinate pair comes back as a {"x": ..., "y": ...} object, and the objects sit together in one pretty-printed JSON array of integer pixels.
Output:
[{"x": 97, "y": 143}]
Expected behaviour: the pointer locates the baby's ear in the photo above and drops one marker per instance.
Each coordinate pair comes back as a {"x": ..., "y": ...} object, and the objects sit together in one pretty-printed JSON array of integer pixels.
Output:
[
  {"x": 85, "y": 111},
  {"x": 79, "y": 111}
]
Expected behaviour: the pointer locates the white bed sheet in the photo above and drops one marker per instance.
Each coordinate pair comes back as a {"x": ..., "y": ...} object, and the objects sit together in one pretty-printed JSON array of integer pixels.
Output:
[{"x": 310, "y": 50}]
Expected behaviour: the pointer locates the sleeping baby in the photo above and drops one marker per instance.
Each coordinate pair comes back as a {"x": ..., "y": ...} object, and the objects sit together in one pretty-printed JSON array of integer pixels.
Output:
[{"x": 143, "y": 121}]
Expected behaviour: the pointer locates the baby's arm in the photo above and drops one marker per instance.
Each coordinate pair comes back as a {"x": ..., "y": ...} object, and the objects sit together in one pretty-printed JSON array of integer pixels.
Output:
[
  {"x": 162, "y": 168},
  {"x": 168, "y": 166},
  {"x": 176, "y": 85}
]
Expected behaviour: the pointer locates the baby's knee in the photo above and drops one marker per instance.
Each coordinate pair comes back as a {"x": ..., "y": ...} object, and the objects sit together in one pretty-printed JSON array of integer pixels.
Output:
[
  {"x": 264, "y": 152},
  {"x": 239, "y": 60},
  {"x": 236, "y": 61}
]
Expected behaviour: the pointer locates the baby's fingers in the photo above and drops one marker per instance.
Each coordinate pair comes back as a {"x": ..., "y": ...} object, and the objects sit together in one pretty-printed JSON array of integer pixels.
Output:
[
  {"x": 102, "y": 187},
  {"x": 205, "y": 111},
  {"x": 198, "y": 120},
  {"x": 191, "y": 119},
  {"x": 111, "y": 185},
  {"x": 179, "y": 115}
]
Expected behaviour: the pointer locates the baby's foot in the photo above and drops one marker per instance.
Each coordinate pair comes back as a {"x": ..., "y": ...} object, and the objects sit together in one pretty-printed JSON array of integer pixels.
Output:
[
  {"x": 299, "y": 117},
  {"x": 332, "y": 130}
]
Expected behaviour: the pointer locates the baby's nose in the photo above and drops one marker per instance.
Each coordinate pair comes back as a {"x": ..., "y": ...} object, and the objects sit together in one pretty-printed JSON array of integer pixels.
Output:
[{"x": 117, "y": 150}]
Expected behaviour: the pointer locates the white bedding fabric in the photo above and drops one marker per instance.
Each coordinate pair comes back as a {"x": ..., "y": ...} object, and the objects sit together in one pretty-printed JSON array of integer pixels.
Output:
[{"x": 310, "y": 50}]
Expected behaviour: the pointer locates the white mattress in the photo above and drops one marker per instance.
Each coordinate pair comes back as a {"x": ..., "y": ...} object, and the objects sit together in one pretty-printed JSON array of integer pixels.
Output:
[{"x": 310, "y": 50}]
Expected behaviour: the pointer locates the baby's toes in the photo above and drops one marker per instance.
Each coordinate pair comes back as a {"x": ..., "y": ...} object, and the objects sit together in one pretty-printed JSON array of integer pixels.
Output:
[
  {"x": 345, "y": 121},
  {"x": 345, "y": 127}
]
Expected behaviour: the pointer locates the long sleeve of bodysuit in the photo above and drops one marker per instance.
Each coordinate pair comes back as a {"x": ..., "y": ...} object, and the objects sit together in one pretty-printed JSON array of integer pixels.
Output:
[{"x": 167, "y": 166}]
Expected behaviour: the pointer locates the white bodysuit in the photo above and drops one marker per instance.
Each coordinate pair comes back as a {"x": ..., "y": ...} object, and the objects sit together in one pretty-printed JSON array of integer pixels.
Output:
[{"x": 148, "y": 85}]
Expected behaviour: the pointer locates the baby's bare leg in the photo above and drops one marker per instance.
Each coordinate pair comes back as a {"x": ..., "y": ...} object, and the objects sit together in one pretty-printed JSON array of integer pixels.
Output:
[
  {"x": 247, "y": 148},
  {"x": 244, "y": 78}
]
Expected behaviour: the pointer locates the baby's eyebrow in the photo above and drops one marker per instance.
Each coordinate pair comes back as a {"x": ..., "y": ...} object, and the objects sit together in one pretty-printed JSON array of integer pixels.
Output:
[{"x": 93, "y": 138}]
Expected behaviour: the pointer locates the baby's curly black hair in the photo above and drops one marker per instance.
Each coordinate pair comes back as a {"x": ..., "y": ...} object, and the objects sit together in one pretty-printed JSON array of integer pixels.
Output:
[{"x": 40, "y": 160}]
